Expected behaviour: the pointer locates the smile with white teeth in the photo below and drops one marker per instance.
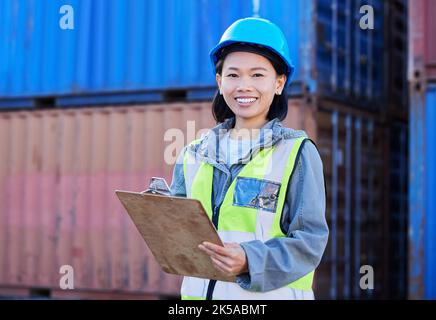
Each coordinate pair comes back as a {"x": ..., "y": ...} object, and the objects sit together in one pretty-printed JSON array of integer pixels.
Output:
[{"x": 246, "y": 100}]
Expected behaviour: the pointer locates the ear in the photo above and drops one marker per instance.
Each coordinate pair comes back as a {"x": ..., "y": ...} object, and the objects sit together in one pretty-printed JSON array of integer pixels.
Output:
[
  {"x": 280, "y": 83},
  {"x": 218, "y": 81}
]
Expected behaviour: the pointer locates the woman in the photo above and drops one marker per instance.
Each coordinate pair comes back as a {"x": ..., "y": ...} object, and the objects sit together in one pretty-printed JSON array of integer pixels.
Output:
[{"x": 261, "y": 184}]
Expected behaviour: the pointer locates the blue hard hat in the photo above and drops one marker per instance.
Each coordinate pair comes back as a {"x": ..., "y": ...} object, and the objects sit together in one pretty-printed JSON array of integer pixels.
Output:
[{"x": 256, "y": 31}]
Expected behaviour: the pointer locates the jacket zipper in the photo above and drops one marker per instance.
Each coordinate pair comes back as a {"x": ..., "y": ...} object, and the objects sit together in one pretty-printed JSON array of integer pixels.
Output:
[{"x": 212, "y": 283}]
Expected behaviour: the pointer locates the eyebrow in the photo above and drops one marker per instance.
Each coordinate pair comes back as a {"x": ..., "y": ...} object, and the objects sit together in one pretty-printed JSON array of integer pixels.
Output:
[{"x": 255, "y": 68}]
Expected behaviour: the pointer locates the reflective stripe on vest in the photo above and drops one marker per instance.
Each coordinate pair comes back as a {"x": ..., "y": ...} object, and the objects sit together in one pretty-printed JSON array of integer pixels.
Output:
[{"x": 256, "y": 218}]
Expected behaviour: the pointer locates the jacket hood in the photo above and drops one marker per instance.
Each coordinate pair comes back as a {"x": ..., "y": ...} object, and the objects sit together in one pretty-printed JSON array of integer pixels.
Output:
[{"x": 271, "y": 133}]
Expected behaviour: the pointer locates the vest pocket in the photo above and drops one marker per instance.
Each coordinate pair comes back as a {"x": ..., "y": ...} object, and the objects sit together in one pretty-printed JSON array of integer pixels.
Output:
[{"x": 256, "y": 193}]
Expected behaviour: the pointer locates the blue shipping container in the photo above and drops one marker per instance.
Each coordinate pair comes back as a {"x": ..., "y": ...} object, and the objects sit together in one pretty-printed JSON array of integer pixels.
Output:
[
  {"x": 145, "y": 46},
  {"x": 422, "y": 212}
]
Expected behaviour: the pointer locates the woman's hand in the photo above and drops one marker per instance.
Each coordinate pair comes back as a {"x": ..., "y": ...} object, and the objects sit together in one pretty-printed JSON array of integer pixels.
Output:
[{"x": 230, "y": 259}]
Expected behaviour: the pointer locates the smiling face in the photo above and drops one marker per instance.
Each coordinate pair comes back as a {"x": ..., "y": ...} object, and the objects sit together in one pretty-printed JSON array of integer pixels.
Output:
[{"x": 248, "y": 83}]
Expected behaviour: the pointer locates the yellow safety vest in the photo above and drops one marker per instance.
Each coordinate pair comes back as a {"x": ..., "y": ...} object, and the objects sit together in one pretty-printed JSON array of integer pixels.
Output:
[{"x": 254, "y": 214}]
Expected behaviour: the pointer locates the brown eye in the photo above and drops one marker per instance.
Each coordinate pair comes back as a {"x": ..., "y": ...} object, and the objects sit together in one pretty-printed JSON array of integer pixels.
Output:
[{"x": 256, "y": 75}]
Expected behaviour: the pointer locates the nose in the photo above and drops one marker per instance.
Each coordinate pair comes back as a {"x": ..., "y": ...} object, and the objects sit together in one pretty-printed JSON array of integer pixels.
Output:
[{"x": 244, "y": 84}]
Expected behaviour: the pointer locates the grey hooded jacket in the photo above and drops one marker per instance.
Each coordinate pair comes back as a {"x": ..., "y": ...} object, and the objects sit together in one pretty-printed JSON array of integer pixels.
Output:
[{"x": 279, "y": 261}]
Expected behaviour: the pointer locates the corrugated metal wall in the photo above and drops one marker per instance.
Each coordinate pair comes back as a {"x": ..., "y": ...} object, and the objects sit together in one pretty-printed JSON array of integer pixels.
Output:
[
  {"x": 148, "y": 46},
  {"x": 422, "y": 213},
  {"x": 58, "y": 173},
  {"x": 430, "y": 231},
  {"x": 422, "y": 174},
  {"x": 349, "y": 59},
  {"x": 119, "y": 45},
  {"x": 353, "y": 153},
  {"x": 59, "y": 170},
  {"x": 398, "y": 159},
  {"x": 422, "y": 47},
  {"x": 396, "y": 66}
]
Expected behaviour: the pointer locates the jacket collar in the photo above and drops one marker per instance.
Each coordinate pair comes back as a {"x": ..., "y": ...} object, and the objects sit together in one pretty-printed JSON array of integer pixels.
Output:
[{"x": 208, "y": 147}]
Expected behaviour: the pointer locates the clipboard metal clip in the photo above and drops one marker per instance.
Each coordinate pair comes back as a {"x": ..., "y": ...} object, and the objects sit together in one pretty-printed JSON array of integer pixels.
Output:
[{"x": 158, "y": 186}]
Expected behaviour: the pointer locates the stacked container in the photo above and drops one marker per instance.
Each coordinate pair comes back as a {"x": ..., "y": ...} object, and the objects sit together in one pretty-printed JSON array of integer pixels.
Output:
[
  {"x": 135, "y": 51},
  {"x": 58, "y": 174},
  {"x": 59, "y": 167},
  {"x": 422, "y": 175}
]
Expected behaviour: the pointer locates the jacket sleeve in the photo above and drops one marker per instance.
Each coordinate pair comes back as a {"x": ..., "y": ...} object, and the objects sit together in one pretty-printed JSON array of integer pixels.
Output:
[
  {"x": 178, "y": 188},
  {"x": 280, "y": 261}
]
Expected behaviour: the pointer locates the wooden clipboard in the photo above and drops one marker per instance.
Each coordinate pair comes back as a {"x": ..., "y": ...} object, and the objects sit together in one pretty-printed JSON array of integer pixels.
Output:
[{"x": 173, "y": 227}]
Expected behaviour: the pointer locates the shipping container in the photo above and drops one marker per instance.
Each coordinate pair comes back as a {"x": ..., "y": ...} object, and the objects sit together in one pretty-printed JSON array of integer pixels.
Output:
[
  {"x": 422, "y": 43},
  {"x": 422, "y": 181},
  {"x": 353, "y": 148},
  {"x": 365, "y": 165},
  {"x": 139, "y": 51},
  {"x": 59, "y": 170},
  {"x": 58, "y": 173},
  {"x": 396, "y": 12},
  {"x": 398, "y": 208},
  {"x": 349, "y": 57},
  {"x": 422, "y": 172}
]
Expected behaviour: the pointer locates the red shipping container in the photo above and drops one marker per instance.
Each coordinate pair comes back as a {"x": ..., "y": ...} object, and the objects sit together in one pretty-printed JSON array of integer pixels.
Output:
[{"x": 422, "y": 42}]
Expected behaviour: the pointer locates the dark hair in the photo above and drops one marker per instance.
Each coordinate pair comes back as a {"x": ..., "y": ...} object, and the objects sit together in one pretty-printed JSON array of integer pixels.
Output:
[{"x": 279, "y": 105}]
